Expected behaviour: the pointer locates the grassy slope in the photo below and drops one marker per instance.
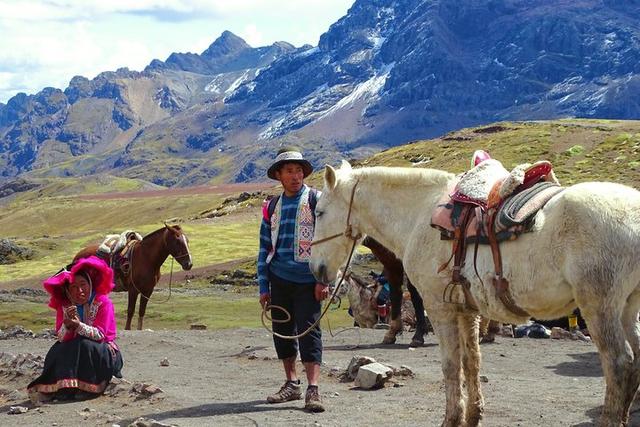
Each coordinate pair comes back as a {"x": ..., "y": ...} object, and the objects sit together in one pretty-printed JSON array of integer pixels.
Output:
[
  {"x": 179, "y": 312},
  {"x": 580, "y": 150}
]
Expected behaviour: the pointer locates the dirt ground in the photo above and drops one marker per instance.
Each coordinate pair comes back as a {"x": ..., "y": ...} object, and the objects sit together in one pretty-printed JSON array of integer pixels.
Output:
[{"x": 221, "y": 378}]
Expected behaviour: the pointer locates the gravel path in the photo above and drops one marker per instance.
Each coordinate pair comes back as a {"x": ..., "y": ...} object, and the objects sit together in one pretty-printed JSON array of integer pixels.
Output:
[{"x": 222, "y": 378}]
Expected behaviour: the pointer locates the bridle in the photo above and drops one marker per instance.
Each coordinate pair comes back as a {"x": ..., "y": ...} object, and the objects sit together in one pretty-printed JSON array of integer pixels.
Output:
[
  {"x": 348, "y": 233},
  {"x": 177, "y": 257}
]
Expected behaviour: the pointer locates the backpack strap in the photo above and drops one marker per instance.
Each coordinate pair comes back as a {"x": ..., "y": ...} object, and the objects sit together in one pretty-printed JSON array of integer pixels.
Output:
[
  {"x": 271, "y": 203},
  {"x": 272, "y": 206},
  {"x": 313, "y": 199}
]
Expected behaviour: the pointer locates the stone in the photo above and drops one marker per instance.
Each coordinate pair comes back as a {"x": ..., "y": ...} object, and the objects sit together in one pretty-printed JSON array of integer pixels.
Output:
[
  {"x": 148, "y": 422},
  {"x": 484, "y": 379},
  {"x": 401, "y": 371},
  {"x": 355, "y": 364},
  {"x": 17, "y": 410},
  {"x": 164, "y": 362},
  {"x": 373, "y": 375},
  {"x": 559, "y": 333},
  {"x": 145, "y": 389},
  {"x": 198, "y": 327}
]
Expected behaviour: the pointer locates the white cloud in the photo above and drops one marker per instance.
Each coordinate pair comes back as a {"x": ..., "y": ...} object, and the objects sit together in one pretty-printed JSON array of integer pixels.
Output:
[
  {"x": 252, "y": 35},
  {"x": 47, "y": 42}
]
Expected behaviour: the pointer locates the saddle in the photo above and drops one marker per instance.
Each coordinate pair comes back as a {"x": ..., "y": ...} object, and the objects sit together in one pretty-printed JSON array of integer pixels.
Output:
[
  {"x": 116, "y": 250},
  {"x": 489, "y": 205}
]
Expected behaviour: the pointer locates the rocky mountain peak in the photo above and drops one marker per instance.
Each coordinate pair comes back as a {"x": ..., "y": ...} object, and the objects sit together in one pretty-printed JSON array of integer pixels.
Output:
[
  {"x": 388, "y": 72},
  {"x": 228, "y": 43}
]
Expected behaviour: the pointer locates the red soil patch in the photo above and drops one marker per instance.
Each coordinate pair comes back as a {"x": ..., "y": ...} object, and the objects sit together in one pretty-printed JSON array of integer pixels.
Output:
[{"x": 201, "y": 189}]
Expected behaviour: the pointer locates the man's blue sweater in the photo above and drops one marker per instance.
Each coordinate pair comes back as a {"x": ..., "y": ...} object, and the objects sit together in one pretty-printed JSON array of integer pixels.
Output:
[{"x": 282, "y": 264}]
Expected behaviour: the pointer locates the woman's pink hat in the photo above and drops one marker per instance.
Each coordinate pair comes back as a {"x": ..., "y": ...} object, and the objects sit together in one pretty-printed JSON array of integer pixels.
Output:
[{"x": 100, "y": 273}]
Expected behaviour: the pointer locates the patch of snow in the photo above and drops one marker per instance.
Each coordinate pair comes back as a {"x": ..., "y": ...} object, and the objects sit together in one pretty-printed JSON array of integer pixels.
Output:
[
  {"x": 272, "y": 130},
  {"x": 361, "y": 55},
  {"x": 215, "y": 85},
  {"x": 237, "y": 82},
  {"x": 377, "y": 41},
  {"x": 609, "y": 40},
  {"x": 308, "y": 52},
  {"x": 386, "y": 12},
  {"x": 367, "y": 89}
]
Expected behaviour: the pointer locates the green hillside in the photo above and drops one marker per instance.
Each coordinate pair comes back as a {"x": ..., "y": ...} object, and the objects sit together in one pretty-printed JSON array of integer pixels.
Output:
[{"x": 580, "y": 150}]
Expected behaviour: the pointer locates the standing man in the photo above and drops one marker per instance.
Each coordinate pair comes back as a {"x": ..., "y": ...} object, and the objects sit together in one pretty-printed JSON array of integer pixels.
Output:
[{"x": 285, "y": 278}]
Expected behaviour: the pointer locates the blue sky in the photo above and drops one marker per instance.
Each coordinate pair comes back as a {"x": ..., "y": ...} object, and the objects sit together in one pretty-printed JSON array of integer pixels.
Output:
[{"x": 47, "y": 42}]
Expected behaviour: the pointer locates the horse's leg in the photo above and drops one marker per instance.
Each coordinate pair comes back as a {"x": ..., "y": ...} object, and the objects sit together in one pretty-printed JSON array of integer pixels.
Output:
[
  {"x": 621, "y": 374},
  {"x": 468, "y": 326},
  {"x": 632, "y": 331},
  {"x": 131, "y": 306},
  {"x": 144, "y": 299},
  {"x": 422, "y": 328},
  {"x": 446, "y": 328},
  {"x": 488, "y": 330},
  {"x": 631, "y": 325},
  {"x": 395, "y": 295}
]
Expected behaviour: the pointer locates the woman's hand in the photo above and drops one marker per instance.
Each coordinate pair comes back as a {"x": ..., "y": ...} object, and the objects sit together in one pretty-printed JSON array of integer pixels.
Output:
[
  {"x": 321, "y": 291},
  {"x": 72, "y": 324},
  {"x": 71, "y": 312}
]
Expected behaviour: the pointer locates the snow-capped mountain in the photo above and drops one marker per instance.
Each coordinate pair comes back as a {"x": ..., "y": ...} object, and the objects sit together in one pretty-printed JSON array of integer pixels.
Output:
[{"x": 386, "y": 73}]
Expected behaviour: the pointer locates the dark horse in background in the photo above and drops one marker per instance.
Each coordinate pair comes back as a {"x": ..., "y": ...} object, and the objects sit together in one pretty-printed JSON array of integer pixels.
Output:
[
  {"x": 147, "y": 257},
  {"x": 394, "y": 272}
]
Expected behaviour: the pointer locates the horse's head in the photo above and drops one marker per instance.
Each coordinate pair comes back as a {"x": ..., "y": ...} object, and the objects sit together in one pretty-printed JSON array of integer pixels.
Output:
[
  {"x": 362, "y": 300},
  {"x": 336, "y": 228},
  {"x": 178, "y": 246}
]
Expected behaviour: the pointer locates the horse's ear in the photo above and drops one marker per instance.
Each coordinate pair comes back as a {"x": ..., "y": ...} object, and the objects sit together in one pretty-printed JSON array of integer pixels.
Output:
[
  {"x": 345, "y": 165},
  {"x": 166, "y": 225},
  {"x": 330, "y": 179}
]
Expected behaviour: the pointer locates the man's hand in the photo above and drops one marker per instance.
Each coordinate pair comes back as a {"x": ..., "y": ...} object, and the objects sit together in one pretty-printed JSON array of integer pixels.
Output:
[
  {"x": 265, "y": 299},
  {"x": 321, "y": 291}
]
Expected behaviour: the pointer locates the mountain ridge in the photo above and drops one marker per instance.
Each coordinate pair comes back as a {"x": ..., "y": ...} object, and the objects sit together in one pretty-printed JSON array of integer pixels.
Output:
[{"x": 386, "y": 73}]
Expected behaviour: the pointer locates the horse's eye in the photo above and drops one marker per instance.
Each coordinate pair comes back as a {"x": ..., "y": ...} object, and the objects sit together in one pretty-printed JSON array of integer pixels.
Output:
[{"x": 319, "y": 214}]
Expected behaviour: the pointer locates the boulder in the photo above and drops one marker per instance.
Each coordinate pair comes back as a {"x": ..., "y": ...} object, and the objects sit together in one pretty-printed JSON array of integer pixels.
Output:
[
  {"x": 356, "y": 363},
  {"x": 373, "y": 375}
]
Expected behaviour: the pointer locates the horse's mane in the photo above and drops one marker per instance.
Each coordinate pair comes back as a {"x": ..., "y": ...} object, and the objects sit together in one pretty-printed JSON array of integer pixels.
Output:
[
  {"x": 403, "y": 176},
  {"x": 177, "y": 227}
]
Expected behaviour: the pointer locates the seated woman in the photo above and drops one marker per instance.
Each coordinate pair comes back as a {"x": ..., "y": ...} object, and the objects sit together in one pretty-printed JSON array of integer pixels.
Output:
[{"x": 82, "y": 362}]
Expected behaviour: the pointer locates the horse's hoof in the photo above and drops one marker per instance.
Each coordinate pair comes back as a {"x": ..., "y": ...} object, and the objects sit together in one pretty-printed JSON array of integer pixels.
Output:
[
  {"x": 416, "y": 343},
  {"x": 388, "y": 340},
  {"x": 488, "y": 339}
]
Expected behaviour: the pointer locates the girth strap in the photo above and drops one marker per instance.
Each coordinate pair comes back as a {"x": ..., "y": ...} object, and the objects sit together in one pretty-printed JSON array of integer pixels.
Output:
[
  {"x": 459, "y": 254},
  {"x": 499, "y": 282}
]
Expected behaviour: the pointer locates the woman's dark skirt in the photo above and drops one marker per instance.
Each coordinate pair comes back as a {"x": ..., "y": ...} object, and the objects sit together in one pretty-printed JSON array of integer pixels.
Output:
[{"x": 81, "y": 364}]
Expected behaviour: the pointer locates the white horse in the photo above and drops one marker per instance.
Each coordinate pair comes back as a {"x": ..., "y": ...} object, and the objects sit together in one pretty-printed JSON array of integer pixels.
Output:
[{"x": 584, "y": 251}]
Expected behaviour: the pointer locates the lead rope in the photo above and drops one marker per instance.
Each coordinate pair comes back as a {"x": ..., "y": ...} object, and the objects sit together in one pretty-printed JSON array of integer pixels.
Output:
[{"x": 267, "y": 307}]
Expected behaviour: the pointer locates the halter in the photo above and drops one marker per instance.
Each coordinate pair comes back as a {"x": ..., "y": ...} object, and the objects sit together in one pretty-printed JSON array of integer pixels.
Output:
[
  {"x": 176, "y": 257},
  {"x": 348, "y": 232}
]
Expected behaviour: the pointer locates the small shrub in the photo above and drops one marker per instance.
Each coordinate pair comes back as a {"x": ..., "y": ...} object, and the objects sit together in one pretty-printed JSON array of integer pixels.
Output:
[{"x": 575, "y": 150}]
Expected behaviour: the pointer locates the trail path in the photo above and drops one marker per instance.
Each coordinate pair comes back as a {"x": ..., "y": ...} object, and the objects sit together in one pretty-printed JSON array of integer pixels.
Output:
[{"x": 222, "y": 378}]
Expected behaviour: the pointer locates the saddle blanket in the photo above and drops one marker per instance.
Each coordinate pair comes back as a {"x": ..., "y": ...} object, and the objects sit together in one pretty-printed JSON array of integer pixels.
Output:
[{"x": 515, "y": 215}]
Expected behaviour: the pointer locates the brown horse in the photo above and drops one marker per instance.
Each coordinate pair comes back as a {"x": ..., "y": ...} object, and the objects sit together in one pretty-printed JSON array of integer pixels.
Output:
[
  {"x": 147, "y": 257},
  {"x": 394, "y": 272}
]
